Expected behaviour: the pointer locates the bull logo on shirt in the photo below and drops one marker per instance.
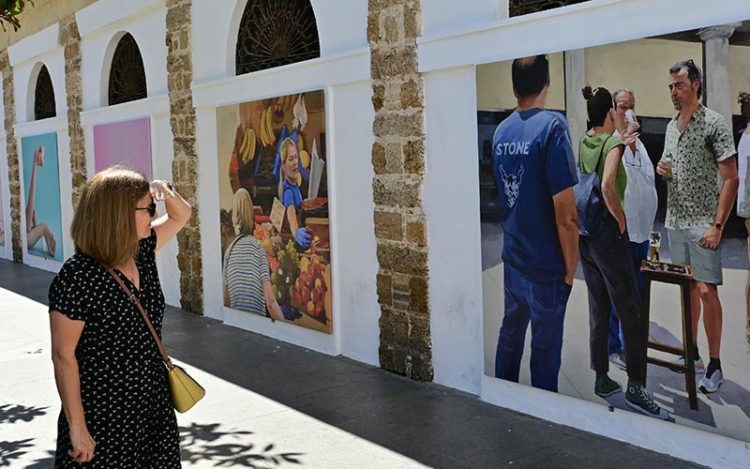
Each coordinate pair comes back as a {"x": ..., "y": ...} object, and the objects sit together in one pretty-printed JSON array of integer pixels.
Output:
[{"x": 512, "y": 185}]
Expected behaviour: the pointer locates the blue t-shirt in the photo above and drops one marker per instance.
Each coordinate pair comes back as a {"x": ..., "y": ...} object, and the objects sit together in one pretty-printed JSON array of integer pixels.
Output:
[
  {"x": 290, "y": 194},
  {"x": 532, "y": 161}
]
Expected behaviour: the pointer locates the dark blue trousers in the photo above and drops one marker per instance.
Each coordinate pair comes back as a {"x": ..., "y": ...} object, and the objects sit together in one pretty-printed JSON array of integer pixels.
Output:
[
  {"x": 542, "y": 304},
  {"x": 638, "y": 252}
]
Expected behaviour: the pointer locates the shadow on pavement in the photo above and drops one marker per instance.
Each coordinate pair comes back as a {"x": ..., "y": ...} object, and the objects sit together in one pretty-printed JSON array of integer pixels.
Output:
[
  {"x": 19, "y": 413},
  {"x": 200, "y": 443},
  {"x": 11, "y": 450}
]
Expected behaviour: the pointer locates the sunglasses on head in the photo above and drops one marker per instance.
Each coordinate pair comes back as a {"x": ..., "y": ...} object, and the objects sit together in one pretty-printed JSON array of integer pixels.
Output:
[{"x": 151, "y": 209}]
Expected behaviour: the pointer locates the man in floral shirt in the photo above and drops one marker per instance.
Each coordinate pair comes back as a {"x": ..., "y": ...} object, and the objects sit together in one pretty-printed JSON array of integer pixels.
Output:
[{"x": 701, "y": 173}]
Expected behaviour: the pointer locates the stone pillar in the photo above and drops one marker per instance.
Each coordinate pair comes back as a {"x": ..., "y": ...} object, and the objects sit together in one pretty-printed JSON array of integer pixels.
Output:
[
  {"x": 185, "y": 163},
  {"x": 398, "y": 158},
  {"x": 70, "y": 39},
  {"x": 14, "y": 174},
  {"x": 575, "y": 105},
  {"x": 716, "y": 79}
]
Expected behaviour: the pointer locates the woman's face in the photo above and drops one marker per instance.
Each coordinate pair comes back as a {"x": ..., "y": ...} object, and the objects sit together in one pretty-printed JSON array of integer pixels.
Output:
[
  {"x": 142, "y": 216},
  {"x": 291, "y": 167}
]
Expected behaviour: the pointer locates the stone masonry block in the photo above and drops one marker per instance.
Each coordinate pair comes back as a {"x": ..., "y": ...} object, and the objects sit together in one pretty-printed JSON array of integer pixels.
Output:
[
  {"x": 378, "y": 158},
  {"x": 394, "y": 62},
  {"x": 414, "y": 156},
  {"x": 402, "y": 259},
  {"x": 396, "y": 191},
  {"x": 384, "y": 282},
  {"x": 389, "y": 225},
  {"x": 416, "y": 232},
  {"x": 420, "y": 301},
  {"x": 412, "y": 93},
  {"x": 399, "y": 124}
]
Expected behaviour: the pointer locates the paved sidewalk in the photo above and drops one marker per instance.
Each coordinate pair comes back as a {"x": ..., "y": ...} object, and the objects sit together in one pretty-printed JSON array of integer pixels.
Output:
[{"x": 274, "y": 405}]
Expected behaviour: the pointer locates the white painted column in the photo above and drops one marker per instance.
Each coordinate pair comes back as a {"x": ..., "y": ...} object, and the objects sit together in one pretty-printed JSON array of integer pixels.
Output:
[
  {"x": 575, "y": 105},
  {"x": 716, "y": 82}
]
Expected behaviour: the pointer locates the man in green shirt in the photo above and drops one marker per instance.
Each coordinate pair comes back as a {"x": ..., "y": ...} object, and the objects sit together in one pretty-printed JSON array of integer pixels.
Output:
[{"x": 701, "y": 172}]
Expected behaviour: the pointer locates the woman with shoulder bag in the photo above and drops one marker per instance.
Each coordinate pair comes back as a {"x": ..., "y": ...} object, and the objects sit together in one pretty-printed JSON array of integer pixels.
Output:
[
  {"x": 116, "y": 409},
  {"x": 610, "y": 275}
]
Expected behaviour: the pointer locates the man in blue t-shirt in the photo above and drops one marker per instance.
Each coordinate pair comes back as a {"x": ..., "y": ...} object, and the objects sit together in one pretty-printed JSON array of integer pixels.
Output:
[{"x": 535, "y": 172}]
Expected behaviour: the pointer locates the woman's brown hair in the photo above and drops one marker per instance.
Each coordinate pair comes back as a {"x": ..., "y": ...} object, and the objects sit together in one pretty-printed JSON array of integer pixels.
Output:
[{"x": 104, "y": 222}]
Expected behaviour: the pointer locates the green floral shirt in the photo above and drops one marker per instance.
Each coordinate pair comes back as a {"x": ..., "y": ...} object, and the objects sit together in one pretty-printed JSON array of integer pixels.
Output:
[{"x": 693, "y": 192}]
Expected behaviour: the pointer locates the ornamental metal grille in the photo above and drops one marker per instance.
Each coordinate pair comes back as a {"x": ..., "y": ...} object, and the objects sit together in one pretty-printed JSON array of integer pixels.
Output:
[
  {"x": 523, "y": 7},
  {"x": 44, "y": 96},
  {"x": 127, "y": 78},
  {"x": 274, "y": 33}
]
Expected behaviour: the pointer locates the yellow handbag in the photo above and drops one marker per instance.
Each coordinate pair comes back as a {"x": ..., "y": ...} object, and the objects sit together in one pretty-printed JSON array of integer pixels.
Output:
[{"x": 184, "y": 391}]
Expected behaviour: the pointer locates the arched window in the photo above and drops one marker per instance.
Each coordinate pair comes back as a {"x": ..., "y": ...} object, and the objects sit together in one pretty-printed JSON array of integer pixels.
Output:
[
  {"x": 274, "y": 33},
  {"x": 127, "y": 78},
  {"x": 523, "y": 7},
  {"x": 44, "y": 96}
]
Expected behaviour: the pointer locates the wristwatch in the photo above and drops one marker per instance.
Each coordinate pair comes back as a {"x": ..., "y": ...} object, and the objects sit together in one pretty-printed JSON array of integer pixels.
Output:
[{"x": 718, "y": 226}]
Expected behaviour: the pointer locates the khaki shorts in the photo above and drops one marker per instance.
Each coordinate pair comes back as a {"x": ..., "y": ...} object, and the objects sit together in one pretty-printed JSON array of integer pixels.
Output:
[
  {"x": 686, "y": 249},
  {"x": 747, "y": 226}
]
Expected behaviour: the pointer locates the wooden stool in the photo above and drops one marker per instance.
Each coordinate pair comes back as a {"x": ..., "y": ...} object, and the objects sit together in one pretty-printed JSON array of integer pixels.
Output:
[{"x": 677, "y": 275}]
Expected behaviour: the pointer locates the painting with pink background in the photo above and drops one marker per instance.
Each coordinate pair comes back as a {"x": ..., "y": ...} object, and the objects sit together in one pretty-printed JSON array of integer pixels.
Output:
[{"x": 124, "y": 143}]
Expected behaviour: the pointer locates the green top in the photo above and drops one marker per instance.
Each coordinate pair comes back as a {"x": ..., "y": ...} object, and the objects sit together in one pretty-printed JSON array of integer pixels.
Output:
[{"x": 588, "y": 156}]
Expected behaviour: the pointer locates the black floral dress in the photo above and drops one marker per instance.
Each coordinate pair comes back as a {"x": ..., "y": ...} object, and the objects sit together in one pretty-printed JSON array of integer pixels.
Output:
[{"x": 124, "y": 386}]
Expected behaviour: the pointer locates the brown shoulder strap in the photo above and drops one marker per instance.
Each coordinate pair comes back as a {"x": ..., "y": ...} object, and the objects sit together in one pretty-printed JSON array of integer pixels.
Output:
[{"x": 134, "y": 299}]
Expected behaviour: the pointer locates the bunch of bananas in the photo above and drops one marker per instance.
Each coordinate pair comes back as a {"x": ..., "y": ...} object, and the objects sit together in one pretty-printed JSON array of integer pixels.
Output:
[
  {"x": 267, "y": 137},
  {"x": 247, "y": 149}
]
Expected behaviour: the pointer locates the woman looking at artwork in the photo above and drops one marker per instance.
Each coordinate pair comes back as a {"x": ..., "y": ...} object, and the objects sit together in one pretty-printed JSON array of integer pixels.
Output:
[
  {"x": 116, "y": 409},
  {"x": 610, "y": 276},
  {"x": 34, "y": 231},
  {"x": 247, "y": 283}
]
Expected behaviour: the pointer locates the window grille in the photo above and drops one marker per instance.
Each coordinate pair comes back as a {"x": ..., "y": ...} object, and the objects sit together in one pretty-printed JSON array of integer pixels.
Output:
[{"x": 274, "y": 33}]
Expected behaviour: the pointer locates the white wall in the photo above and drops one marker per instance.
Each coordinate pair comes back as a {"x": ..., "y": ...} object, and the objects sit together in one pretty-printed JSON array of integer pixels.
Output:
[
  {"x": 441, "y": 17},
  {"x": 343, "y": 72},
  {"x": 102, "y": 25},
  {"x": 454, "y": 42},
  {"x": 342, "y": 29},
  {"x": 453, "y": 228}
]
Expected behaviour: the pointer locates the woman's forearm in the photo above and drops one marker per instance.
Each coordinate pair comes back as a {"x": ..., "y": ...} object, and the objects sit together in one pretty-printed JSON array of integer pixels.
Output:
[
  {"x": 68, "y": 382},
  {"x": 178, "y": 208}
]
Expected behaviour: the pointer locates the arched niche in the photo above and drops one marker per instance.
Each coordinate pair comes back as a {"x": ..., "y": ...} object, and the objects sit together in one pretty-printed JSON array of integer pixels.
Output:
[
  {"x": 272, "y": 33},
  {"x": 125, "y": 75},
  {"x": 43, "y": 98}
]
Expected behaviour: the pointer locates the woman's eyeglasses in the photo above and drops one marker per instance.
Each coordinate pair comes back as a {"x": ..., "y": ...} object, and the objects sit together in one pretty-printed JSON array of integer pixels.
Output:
[{"x": 151, "y": 209}]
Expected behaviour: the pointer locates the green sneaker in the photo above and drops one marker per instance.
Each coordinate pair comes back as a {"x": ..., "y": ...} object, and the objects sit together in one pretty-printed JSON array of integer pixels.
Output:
[
  {"x": 605, "y": 387},
  {"x": 637, "y": 398}
]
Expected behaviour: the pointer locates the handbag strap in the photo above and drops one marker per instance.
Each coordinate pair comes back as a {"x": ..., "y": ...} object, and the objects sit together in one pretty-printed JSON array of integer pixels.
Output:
[{"x": 134, "y": 299}]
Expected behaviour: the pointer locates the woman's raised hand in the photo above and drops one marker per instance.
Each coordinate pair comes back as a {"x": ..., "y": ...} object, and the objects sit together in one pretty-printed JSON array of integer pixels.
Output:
[{"x": 160, "y": 190}]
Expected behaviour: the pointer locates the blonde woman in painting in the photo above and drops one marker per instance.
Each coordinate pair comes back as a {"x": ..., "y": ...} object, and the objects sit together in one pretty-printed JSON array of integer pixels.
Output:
[
  {"x": 247, "y": 281},
  {"x": 289, "y": 191}
]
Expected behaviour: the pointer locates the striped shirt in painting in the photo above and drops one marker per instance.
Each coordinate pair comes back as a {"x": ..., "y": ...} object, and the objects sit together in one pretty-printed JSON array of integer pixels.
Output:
[{"x": 245, "y": 270}]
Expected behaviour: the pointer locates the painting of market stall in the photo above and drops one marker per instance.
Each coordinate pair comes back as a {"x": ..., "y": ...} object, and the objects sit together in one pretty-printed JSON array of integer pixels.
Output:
[{"x": 274, "y": 209}]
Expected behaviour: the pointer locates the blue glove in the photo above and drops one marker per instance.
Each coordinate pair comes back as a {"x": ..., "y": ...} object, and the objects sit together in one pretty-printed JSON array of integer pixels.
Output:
[{"x": 303, "y": 238}]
